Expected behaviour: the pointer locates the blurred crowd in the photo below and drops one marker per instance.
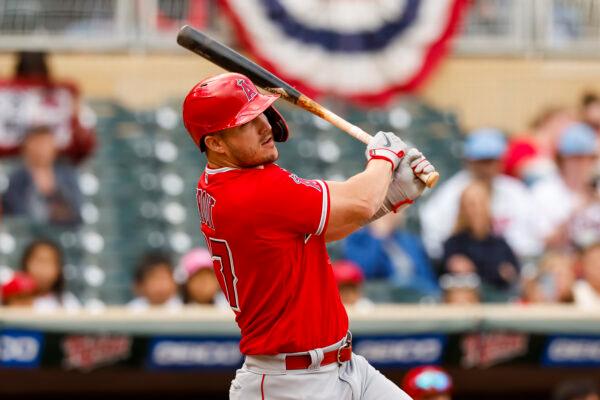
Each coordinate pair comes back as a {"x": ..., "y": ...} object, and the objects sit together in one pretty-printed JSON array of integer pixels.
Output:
[{"x": 519, "y": 223}]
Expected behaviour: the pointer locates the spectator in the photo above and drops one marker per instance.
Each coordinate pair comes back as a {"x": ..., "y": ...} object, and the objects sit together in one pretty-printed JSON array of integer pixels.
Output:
[
  {"x": 349, "y": 279},
  {"x": 584, "y": 224},
  {"x": 427, "y": 383},
  {"x": 201, "y": 285},
  {"x": 19, "y": 291},
  {"x": 154, "y": 284},
  {"x": 554, "y": 281},
  {"x": 43, "y": 260},
  {"x": 587, "y": 290},
  {"x": 461, "y": 288},
  {"x": 512, "y": 212},
  {"x": 384, "y": 251},
  {"x": 42, "y": 188},
  {"x": 578, "y": 389},
  {"x": 32, "y": 97},
  {"x": 530, "y": 157},
  {"x": 474, "y": 248},
  {"x": 590, "y": 110},
  {"x": 558, "y": 197}
]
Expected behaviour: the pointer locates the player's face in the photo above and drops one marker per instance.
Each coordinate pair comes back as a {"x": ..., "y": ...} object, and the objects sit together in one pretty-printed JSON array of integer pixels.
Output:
[{"x": 251, "y": 144}]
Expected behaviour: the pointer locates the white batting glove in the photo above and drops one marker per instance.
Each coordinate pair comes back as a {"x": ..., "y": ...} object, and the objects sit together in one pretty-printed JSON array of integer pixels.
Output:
[
  {"x": 386, "y": 146},
  {"x": 406, "y": 187}
]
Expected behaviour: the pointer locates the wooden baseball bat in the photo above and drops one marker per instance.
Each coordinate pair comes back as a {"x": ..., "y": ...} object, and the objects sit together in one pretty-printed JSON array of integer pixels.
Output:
[{"x": 232, "y": 61}]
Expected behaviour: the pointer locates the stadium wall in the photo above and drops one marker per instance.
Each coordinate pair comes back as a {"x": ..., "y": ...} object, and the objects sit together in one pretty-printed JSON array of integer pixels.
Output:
[{"x": 501, "y": 92}]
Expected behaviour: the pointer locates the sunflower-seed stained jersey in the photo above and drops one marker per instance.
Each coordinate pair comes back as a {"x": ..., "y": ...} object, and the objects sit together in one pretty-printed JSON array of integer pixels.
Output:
[{"x": 265, "y": 230}]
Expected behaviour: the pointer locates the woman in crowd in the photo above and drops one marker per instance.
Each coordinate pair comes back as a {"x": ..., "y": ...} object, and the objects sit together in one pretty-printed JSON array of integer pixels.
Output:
[
  {"x": 474, "y": 248},
  {"x": 43, "y": 261}
]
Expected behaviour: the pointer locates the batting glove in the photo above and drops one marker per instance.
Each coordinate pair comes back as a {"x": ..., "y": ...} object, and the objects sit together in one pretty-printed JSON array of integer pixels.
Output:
[
  {"x": 406, "y": 187},
  {"x": 386, "y": 146}
]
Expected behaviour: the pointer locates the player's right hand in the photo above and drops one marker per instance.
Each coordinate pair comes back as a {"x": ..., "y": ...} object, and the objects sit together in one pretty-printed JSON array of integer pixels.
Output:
[{"x": 386, "y": 146}]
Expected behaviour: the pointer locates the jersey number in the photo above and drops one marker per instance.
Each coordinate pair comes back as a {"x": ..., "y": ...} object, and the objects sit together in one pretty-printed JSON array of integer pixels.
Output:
[{"x": 223, "y": 261}]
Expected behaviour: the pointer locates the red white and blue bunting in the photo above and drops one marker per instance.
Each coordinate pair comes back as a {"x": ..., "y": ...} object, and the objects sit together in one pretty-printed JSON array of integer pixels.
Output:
[{"x": 363, "y": 50}]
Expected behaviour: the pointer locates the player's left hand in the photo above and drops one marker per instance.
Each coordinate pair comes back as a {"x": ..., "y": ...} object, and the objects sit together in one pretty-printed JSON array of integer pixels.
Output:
[{"x": 406, "y": 186}]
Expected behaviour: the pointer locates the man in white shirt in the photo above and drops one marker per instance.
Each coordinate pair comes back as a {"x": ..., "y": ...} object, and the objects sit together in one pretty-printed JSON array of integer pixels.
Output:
[
  {"x": 512, "y": 211},
  {"x": 560, "y": 196}
]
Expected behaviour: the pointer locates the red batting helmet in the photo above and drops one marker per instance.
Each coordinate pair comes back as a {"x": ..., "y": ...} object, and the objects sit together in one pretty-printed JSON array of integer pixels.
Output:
[
  {"x": 225, "y": 101},
  {"x": 425, "y": 381}
]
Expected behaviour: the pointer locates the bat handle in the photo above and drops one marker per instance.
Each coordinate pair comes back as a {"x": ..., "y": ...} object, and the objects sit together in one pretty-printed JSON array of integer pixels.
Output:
[{"x": 429, "y": 179}]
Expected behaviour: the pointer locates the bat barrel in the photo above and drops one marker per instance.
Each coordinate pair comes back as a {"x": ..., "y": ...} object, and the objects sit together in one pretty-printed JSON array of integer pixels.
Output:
[{"x": 232, "y": 61}]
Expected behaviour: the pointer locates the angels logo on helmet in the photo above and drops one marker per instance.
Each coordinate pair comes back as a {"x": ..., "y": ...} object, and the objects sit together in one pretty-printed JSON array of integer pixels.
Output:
[{"x": 249, "y": 91}]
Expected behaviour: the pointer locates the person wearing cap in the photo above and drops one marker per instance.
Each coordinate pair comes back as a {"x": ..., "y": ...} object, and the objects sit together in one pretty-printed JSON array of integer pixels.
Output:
[
  {"x": 349, "y": 278},
  {"x": 530, "y": 155},
  {"x": 19, "y": 291},
  {"x": 427, "y": 382},
  {"x": 512, "y": 210},
  {"x": 558, "y": 197},
  {"x": 201, "y": 285}
]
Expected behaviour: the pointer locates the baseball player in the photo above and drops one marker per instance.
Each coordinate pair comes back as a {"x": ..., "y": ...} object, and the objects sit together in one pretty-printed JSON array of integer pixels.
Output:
[{"x": 266, "y": 229}]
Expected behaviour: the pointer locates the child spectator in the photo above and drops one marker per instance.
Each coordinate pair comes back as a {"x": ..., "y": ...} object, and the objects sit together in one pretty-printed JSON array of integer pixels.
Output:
[
  {"x": 474, "y": 248},
  {"x": 201, "y": 285},
  {"x": 42, "y": 188},
  {"x": 383, "y": 250},
  {"x": 19, "y": 291},
  {"x": 349, "y": 279},
  {"x": 154, "y": 284},
  {"x": 43, "y": 261},
  {"x": 461, "y": 288},
  {"x": 587, "y": 290},
  {"x": 427, "y": 383}
]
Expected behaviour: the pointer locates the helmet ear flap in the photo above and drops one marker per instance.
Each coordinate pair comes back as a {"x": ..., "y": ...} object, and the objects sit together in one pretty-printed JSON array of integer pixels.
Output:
[{"x": 278, "y": 124}]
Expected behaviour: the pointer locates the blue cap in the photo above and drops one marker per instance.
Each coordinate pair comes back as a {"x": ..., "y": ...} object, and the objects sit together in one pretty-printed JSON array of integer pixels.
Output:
[
  {"x": 578, "y": 140},
  {"x": 485, "y": 144}
]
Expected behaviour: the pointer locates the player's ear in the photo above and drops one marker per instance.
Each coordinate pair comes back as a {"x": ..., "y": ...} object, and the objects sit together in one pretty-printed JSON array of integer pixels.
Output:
[{"x": 214, "y": 143}]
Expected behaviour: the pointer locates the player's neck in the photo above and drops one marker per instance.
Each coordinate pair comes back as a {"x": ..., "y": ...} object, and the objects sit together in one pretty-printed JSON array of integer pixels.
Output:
[{"x": 214, "y": 162}]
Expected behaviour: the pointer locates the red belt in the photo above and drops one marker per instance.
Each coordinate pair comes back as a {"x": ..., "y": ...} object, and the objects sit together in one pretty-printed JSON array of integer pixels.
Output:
[{"x": 303, "y": 361}]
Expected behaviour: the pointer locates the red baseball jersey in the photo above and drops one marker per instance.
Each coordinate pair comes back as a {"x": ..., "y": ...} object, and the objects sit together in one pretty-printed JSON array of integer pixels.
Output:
[{"x": 264, "y": 228}]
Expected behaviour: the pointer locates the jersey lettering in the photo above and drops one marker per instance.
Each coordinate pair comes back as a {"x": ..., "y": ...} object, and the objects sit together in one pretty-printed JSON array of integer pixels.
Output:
[
  {"x": 301, "y": 181},
  {"x": 223, "y": 262},
  {"x": 205, "y": 207}
]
